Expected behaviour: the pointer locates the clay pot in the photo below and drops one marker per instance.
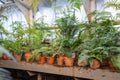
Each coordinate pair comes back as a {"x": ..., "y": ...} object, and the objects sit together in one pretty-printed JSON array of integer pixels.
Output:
[
  {"x": 60, "y": 61},
  {"x": 105, "y": 62},
  {"x": 42, "y": 60},
  {"x": 83, "y": 63},
  {"x": 5, "y": 57},
  {"x": 96, "y": 64},
  {"x": 68, "y": 61},
  {"x": 28, "y": 56},
  {"x": 18, "y": 57},
  {"x": 111, "y": 66},
  {"x": 50, "y": 60}
]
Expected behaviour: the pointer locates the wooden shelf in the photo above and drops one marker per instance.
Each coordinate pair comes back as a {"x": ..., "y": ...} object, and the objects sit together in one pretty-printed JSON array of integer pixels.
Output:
[{"x": 78, "y": 72}]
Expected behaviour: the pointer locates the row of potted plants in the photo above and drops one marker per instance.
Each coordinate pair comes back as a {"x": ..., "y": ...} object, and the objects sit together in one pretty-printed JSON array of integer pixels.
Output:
[
  {"x": 92, "y": 45},
  {"x": 86, "y": 43},
  {"x": 42, "y": 58}
]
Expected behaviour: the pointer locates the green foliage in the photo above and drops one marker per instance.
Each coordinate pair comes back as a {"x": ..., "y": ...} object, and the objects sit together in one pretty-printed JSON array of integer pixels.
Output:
[
  {"x": 104, "y": 15},
  {"x": 116, "y": 61},
  {"x": 118, "y": 15},
  {"x": 34, "y": 38},
  {"x": 75, "y": 3},
  {"x": 116, "y": 5},
  {"x": 37, "y": 35},
  {"x": 15, "y": 44},
  {"x": 2, "y": 19},
  {"x": 18, "y": 30},
  {"x": 52, "y": 1},
  {"x": 35, "y": 4},
  {"x": 100, "y": 37},
  {"x": 113, "y": 3},
  {"x": 0, "y": 55},
  {"x": 35, "y": 53},
  {"x": 3, "y": 30},
  {"x": 101, "y": 43},
  {"x": 48, "y": 50},
  {"x": 2, "y": 16},
  {"x": 68, "y": 28}
]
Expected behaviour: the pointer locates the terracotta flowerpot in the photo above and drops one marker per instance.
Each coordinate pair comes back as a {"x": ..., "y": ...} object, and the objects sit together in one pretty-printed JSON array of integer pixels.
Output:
[
  {"x": 42, "y": 60},
  {"x": 5, "y": 57},
  {"x": 83, "y": 63},
  {"x": 105, "y": 62},
  {"x": 50, "y": 60},
  {"x": 28, "y": 56},
  {"x": 111, "y": 66},
  {"x": 18, "y": 57},
  {"x": 96, "y": 64},
  {"x": 68, "y": 61},
  {"x": 60, "y": 61}
]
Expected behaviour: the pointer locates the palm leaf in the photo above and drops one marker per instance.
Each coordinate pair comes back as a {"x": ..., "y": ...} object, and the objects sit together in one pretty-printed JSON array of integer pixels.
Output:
[{"x": 113, "y": 3}]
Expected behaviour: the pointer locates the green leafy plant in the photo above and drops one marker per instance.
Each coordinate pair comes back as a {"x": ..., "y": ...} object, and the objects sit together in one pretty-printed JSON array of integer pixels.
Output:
[
  {"x": 115, "y": 5},
  {"x": 75, "y": 3},
  {"x": 37, "y": 35},
  {"x": 18, "y": 34},
  {"x": 35, "y": 4},
  {"x": 18, "y": 30},
  {"x": 14, "y": 44},
  {"x": 68, "y": 28},
  {"x": 102, "y": 40},
  {"x": 48, "y": 50},
  {"x": 116, "y": 62}
]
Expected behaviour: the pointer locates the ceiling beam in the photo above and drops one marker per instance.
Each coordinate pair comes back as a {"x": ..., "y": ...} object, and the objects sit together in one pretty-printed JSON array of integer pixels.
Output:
[
  {"x": 2, "y": 2},
  {"x": 25, "y": 7}
]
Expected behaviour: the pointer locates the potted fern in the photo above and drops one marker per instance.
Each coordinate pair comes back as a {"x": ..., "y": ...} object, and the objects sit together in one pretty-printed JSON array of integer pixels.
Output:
[{"x": 68, "y": 28}]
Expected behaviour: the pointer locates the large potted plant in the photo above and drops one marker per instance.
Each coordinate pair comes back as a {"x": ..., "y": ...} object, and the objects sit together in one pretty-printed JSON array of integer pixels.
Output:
[
  {"x": 102, "y": 40},
  {"x": 35, "y": 37},
  {"x": 68, "y": 28},
  {"x": 115, "y": 5},
  {"x": 18, "y": 33},
  {"x": 14, "y": 43}
]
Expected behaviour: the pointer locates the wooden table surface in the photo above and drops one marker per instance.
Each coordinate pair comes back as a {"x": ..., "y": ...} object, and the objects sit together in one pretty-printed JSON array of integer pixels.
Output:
[{"x": 78, "y": 72}]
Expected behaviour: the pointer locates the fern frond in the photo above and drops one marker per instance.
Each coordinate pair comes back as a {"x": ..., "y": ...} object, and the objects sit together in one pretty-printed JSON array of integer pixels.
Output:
[
  {"x": 118, "y": 15},
  {"x": 35, "y": 4},
  {"x": 113, "y": 3},
  {"x": 76, "y": 3}
]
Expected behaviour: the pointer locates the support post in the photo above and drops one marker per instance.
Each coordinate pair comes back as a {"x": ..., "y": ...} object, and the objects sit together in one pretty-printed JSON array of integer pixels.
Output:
[
  {"x": 89, "y": 6},
  {"x": 39, "y": 76},
  {"x": 26, "y": 8},
  {"x": 92, "y": 8}
]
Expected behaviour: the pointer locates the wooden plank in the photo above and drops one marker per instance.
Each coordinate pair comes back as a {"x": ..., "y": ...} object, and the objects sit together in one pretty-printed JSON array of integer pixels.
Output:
[
  {"x": 96, "y": 74},
  {"x": 45, "y": 68},
  {"x": 78, "y": 72}
]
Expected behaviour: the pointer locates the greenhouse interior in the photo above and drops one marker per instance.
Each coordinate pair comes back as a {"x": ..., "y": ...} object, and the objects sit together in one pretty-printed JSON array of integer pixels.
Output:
[{"x": 59, "y": 40}]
